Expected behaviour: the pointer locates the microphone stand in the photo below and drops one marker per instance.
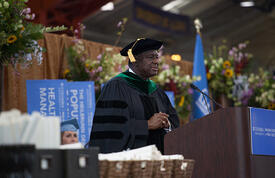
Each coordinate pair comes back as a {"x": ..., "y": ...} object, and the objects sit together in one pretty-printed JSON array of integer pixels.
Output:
[
  {"x": 206, "y": 104},
  {"x": 196, "y": 88}
]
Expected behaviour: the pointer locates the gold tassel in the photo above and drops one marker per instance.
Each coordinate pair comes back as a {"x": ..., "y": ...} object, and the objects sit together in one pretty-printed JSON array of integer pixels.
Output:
[
  {"x": 129, "y": 52},
  {"x": 131, "y": 56}
]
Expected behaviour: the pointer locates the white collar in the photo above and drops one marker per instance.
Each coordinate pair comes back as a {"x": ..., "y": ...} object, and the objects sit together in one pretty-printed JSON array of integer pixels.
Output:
[{"x": 130, "y": 70}]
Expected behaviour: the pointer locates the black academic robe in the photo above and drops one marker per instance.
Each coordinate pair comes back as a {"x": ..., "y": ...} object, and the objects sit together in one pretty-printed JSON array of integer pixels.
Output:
[{"x": 122, "y": 112}]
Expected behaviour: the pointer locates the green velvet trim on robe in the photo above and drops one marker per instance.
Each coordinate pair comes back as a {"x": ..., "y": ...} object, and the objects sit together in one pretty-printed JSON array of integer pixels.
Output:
[{"x": 146, "y": 86}]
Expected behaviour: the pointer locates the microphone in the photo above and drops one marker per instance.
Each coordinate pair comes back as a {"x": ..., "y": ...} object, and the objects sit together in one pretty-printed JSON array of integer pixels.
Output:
[{"x": 196, "y": 88}]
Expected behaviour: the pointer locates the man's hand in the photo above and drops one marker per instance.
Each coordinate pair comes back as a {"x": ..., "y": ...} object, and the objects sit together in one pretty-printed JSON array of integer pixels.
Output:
[{"x": 158, "y": 120}]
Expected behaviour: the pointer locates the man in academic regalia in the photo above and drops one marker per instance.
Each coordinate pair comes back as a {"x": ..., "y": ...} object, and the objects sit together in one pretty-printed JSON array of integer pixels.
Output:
[{"x": 132, "y": 111}]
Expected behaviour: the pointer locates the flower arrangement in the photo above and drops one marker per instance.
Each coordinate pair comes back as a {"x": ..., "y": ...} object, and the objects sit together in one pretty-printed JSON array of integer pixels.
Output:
[
  {"x": 18, "y": 37},
  {"x": 76, "y": 57},
  {"x": 171, "y": 79},
  {"x": 81, "y": 67},
  {"x": 226, "y": 72},
  {"x": 262, "y": 89},
  {"x": 107, "y": 65}
]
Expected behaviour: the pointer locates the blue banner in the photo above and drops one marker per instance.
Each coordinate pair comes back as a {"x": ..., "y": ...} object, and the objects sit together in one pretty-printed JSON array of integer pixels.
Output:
[
  {"x": 199, "y": 106},
  {"x": 66, "y": 100},
  {"x": 80, "y": 100},
  {"x": 262, "y": 124},
  {"x": 46, "y": 97},
  {"x": 160, "y": 20},
  {"x": 171, "y": 97}
]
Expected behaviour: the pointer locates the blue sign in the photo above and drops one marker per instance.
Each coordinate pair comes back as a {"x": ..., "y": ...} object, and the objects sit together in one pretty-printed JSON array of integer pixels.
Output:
[
  {"x": 262, "y": 122},
  {"x": 46, "y": 97},
  {"x": 66, "y": 100},
  {"x": 161, "y": 20},
  {"x": 171, "y": 97},
  {"x": 80, "y": 101}
]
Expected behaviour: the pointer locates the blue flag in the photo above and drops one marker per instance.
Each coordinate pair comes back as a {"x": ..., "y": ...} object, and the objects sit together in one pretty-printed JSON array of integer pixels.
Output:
[
  {"x": 199, "y": 107},
  {"x": 171, "y": 97}
]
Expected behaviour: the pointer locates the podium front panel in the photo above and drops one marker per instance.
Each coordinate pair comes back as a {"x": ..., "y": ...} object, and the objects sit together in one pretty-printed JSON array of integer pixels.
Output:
[{"x": 219, "y": 143}]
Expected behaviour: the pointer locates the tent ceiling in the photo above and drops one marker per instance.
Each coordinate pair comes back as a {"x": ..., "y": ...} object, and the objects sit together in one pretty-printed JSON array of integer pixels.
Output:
[{"x": 222, "y": 19}]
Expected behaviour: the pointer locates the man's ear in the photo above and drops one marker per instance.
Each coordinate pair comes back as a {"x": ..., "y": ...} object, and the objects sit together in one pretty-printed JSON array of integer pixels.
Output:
[
  {"x": 138, "y": 58},
  {"x": 134, "y": 64}
]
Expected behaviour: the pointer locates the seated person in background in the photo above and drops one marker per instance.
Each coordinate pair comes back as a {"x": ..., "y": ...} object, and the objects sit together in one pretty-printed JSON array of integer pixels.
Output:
[
  {"x": 69, "y": 132},
  {"x": 132, "y": 111}
]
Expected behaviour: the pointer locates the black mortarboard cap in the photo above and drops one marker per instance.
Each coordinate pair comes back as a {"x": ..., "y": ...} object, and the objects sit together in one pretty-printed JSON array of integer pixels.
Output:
[{"x": 139, "y": 46}]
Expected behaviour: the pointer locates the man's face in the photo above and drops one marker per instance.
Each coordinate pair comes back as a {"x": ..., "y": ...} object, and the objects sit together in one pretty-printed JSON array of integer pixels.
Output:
[{"x": 147, "y": 63}]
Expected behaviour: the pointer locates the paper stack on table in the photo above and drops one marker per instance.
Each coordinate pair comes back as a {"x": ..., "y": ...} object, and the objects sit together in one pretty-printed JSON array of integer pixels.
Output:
[
  {"x": 17, "y": 128},
  {"x": 77, "y": 145},
  {"x": 144, "y": 153}
]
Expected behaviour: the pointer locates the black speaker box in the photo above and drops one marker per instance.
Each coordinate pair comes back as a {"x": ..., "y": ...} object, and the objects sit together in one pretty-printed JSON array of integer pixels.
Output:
[
  {"x": 48, "y": 163},
  {"x": 73, "y": 163},
  {"x": 16, "y": 161},
  {"x": 81, "y": 163}
]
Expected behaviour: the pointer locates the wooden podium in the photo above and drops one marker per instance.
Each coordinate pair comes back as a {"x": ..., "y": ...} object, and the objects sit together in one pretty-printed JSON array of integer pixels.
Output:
[{"x": 220, "y": 145}]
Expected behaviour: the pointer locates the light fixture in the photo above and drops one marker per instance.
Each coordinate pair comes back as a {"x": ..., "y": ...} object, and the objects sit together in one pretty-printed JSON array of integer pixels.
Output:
[
  {"x": 176, "y": 57},
  {"x": 247, "y": 3},
  {"x": 108, "y": 7},
  {"x": 173, "y": 5}
]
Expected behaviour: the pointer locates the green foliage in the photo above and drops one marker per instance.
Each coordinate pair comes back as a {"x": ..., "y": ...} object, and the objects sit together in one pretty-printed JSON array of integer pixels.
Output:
[
  {"x": 18, "y": 36},
  {"x": 76, "y": 66},
  {"x": 263, "y": 86}
]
